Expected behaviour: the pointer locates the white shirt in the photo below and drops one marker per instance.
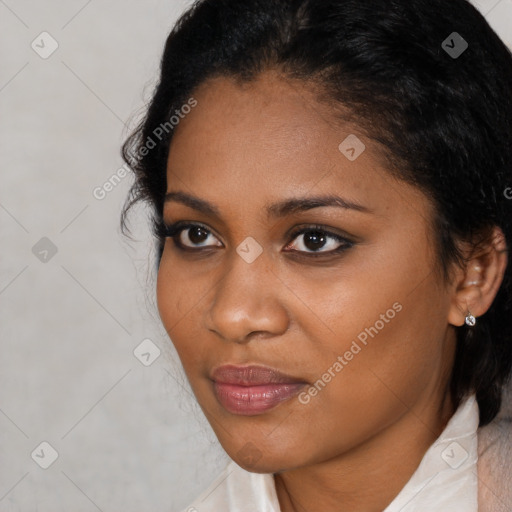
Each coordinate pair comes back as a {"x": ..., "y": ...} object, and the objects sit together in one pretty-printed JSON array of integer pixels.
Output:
[{"x": 445, "y": 480}]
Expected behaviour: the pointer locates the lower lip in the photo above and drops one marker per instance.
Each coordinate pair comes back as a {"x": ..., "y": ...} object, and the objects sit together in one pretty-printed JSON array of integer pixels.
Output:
[{"x": 250, "y": 400}]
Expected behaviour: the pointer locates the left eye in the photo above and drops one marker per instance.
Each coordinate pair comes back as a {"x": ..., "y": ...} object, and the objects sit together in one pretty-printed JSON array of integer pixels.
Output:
[{"x": 311, "y": 240}]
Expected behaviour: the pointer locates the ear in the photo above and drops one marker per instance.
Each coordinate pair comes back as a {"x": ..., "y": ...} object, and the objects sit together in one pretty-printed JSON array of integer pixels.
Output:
[{"x": 476, "y": 285}]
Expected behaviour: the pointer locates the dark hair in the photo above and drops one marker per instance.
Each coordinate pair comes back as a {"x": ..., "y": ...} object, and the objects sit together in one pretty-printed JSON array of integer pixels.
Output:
[{"x": 442, "y": 119}]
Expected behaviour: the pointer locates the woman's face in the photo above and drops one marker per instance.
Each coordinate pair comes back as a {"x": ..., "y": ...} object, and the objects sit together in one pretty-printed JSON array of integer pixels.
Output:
[{"x": 363, "y": 328}]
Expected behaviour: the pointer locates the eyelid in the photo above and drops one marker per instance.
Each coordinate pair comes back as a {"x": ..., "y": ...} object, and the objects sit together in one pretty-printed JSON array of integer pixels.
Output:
[
  {"x": 173, "y": 230},
  {"x": 294, "y": 233}
]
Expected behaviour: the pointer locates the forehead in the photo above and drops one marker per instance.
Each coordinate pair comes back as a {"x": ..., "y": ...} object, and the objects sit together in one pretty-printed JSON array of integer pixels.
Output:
[{"x": 265, "y": 140}]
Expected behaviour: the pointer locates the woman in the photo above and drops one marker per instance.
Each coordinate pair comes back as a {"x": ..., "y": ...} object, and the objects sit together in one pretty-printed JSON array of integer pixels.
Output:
[{"x": 330, "y": 188}]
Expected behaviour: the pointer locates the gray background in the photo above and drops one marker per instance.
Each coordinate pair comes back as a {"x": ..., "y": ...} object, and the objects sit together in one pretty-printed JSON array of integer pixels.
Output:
[{"x": 128, "y": 436}]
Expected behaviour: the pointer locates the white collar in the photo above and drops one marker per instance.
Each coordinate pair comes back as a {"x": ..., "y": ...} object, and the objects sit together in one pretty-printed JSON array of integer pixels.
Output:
[{"x": 446, "y": 478}]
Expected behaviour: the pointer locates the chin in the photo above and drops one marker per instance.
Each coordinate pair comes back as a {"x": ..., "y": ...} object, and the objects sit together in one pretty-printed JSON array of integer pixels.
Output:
[
  {"x": 264, "y": 460},
  {"x": 261, "y": 466}
]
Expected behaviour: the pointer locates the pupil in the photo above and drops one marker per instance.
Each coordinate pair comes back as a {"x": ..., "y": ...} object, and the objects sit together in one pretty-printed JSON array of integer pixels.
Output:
[
  {"x": 314, "y": 240},
  {"x": 200, "y": 237}
]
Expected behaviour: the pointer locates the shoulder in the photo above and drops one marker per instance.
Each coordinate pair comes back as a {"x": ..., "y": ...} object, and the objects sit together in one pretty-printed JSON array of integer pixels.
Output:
[{"x": 495, "y": 465}]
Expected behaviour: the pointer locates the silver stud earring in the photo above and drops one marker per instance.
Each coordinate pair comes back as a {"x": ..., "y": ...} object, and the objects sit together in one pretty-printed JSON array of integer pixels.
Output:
[{"x": 470, "y": 320}]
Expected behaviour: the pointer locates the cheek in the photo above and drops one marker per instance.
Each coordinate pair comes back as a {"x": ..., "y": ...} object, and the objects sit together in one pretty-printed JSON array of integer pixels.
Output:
[
  {"x": 384, "y": 318},
  {"x": 172, "y": 305},
  {"x": 177, "y": 292},
  {"x": 392, "y": 351},
  {"x": 179, "y": 303},
  {"x": 376, "y": 382}
]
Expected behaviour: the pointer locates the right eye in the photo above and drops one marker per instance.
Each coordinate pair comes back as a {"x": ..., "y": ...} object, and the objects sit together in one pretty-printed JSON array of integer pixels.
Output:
[{"x": 187, "y": 236}]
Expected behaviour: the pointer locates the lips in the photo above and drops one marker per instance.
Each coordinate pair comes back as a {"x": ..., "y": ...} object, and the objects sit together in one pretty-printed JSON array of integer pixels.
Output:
[
  {"x": 251, "y": 375},
  {"x": 250, "y": 390}
]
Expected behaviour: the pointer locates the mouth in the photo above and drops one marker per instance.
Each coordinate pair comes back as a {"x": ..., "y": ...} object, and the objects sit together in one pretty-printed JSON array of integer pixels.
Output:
[{"x": 251, "y": 390}]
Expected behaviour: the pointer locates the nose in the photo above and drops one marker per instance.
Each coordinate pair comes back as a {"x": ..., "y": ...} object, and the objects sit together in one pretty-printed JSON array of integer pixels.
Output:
[{"x": 248, "y": 299}]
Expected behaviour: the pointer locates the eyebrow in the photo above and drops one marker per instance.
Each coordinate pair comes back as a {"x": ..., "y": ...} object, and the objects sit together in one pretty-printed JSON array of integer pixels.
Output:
[{"x": 276, "y": 210}]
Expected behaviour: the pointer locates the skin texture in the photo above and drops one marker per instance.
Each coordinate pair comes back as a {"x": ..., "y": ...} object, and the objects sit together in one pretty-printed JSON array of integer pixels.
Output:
[{"x": 358, "y": 441}]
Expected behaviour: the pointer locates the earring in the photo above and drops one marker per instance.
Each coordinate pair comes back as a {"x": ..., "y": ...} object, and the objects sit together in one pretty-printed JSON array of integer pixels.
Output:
[{"x": 470, "y": 320}]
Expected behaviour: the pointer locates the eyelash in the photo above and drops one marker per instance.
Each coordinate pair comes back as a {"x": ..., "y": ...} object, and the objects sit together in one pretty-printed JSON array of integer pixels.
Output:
[{"x": 174, "y": 230}]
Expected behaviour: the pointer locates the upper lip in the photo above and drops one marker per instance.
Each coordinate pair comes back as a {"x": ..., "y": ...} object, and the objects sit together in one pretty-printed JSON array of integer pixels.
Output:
[{"x": 252, "y": 375}]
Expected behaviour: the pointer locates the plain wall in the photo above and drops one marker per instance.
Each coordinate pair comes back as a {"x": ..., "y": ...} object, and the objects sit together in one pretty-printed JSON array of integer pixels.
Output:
[{"x": 129, "y": 437}]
